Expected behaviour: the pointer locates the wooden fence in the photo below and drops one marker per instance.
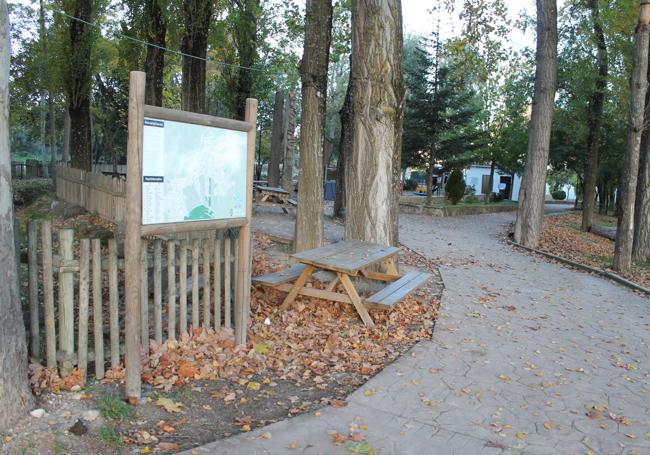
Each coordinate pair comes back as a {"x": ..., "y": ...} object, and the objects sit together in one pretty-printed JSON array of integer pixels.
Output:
[
  {"x": 29, "y": 169},
  {"x": 98, "y": 193},
  {"x": 86, "y": 273}
]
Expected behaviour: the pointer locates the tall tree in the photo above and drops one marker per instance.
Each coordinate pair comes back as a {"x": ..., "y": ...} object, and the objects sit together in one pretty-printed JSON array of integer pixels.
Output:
[
  {"x": 278, "y": 137},
  {"x": 638, "y": 88},
  {"x": 155, "y": 33},
  {"x": 373, "y": 168},
  {"x": 641, "y": 245},
  {"x": 594, "y": 119},
  {"x": 345, "y": 150},
  {"x": 530, "y": 214},
  {"x": 313, "y": 73},
  {"x": 196, "y": 15},
  {"x": 78, "y": 81},
  {"x": 15, "y": 396},
  {"x": 244, "y": 15}
]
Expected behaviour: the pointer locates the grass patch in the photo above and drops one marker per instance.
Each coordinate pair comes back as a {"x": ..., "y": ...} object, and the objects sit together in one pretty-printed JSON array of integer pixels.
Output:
[
  {"x": 113, "y": 408},
  {"x": 57, "y": 445},
  {"x": 110, "y": 437}
]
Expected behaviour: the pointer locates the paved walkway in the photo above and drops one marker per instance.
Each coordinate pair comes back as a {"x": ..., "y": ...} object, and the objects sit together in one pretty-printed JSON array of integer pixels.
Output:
[{"x": 527, "y": 357}]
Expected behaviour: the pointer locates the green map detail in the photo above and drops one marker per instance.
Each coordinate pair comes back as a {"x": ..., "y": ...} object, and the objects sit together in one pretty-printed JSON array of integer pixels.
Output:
[{"x": 200, "y": 212}]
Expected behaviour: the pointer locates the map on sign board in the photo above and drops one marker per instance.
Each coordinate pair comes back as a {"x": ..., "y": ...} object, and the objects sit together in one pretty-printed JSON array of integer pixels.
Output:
[{"x": 192, "y": 172}]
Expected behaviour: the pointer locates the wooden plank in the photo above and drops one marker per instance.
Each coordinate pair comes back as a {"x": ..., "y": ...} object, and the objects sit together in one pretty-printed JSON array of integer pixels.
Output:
[
  {"x": 34, "y": 317},
  {"x": 133, "y": 239},
  {"x": 389, "y": 265},
  {"x": 314, "y": 292},
  {"x": 356, "y": 301},
  {"x": 84, "y": 294},
  {"x": 144, "y": 296},
  {"x": 182, "y": 286},
  {"x": 379, "y": 276},
  {"x": 217, "y": 279},
  {"x": 113, "y": 310},
  {"x": 195, "y": 284},
  {"x": 207, "y": 283},
  {"x": 48, "y": 295},
  {"x": 399, "y": 289},
  {"x": 171, "y": 290},
  {"x": 163, "y": 113},
  {"x": 227, "y": 268},
  {"x": 348, "y": 256},
  {"x": 300, "y": 282},
  {"x": 66, "y": 304},
  {"x": 98, "y": 315},
  {"x": 191, "y": 226},
  {"x": 157, "y": 290},
  {"x": 272, "y": 189},
  {"x": 283, "y": 276}
]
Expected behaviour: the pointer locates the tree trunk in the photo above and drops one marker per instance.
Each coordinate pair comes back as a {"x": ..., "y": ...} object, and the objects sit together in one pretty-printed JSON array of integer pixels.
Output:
[
  {"x": 78, "y": 85},
  {"x": 65, "y": 149},
  {"x": 641, "y": 243},
  {"x": 245, "y": 35},
  {"x": 602, "y": 198},
  {"x": 52, "y": 130},
  {"x": 313, "y": 72},
  {"x": 345, "y": 149},
  {"x": 196, "y": 16},
  {"x": 594, "y": 120},
  {"x": 15, "y": 397},
  {"x": 156, "y": 31},
  {"x": 638, "y": 88},
  {"x": 287, "y": 168},
  {"x": 493, "y": 164},
  {"x": 530, "y": 214},
  {"x": 373, "y": 169},
  {"x": 430, "y": 166},
  {"x": 278, "y": 138}
]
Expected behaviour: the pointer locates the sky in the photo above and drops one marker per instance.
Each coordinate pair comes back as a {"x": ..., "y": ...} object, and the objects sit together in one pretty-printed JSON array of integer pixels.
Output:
[{"x": 418, "y": 21}]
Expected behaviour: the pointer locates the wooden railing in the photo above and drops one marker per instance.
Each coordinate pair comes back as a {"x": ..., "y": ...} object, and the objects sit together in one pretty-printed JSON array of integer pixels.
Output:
[{"x": 102, "y": 194}]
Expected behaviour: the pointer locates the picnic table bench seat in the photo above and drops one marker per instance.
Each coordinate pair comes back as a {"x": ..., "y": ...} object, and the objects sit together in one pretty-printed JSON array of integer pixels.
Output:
[
  {"x": 283, "y": 276},
  {"x": 293, "y": 202},
  {"x": 398, "y": 289}
]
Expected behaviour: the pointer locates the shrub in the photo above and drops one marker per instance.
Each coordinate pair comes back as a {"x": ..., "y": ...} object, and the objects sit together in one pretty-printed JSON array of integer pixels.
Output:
[
  {"x": 410, "y": 185},
  {"x": 471, "y": 198},
  {"x": 455, "y": 187},
  {"x": 559, "y": 195},
  {"x": 497, "y": 197}
]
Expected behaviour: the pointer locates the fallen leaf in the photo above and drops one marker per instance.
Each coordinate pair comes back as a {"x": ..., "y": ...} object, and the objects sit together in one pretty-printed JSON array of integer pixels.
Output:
[
  {"x": 169, "y": 405},
  {"x": 521, "y": 435},
  {"x": 293, "y": 445},
  {"x": 261, "y": 348},
  {"x": 338, "y": 403},
  {"x": 253, "y": 385},
  {"x": 245, "y": 428},
  {"x": 548, "y": 425},
  {"x": 168, "y": 446},
  {"x": 266, "y": 435},
  {"x": 369, "y": 392}
]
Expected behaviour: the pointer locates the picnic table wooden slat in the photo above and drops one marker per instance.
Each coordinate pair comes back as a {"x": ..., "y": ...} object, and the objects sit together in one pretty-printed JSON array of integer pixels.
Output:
[
  {"x": 272, "y": 189},
  {"x": 348, "y": 256},
  {"x": 396, "y": 291}
]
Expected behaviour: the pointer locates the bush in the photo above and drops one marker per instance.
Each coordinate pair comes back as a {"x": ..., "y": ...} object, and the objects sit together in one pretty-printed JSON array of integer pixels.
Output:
[
  {"x": 455, "y": 187},
  {"x": 471, "y": 198},
  {"x": 497, "y": 197},
  {"x": 410, "y": 185},
  {"x": 559, "y": 195}
]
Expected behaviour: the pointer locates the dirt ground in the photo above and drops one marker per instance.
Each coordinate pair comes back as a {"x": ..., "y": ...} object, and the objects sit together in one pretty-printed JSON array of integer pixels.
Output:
[{"x": 293, "y": 378}]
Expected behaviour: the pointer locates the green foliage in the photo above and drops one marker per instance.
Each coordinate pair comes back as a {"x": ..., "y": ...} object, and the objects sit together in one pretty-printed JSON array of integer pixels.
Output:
[
  {"x": 110, "y": 437},
  {"x": 497, "y": 197},
  {"x": 559, "y": 195},
  {"x": 410, "y": 185},
  {"x": 455, "y": 187},
  {"x": 112, "y": 407}
]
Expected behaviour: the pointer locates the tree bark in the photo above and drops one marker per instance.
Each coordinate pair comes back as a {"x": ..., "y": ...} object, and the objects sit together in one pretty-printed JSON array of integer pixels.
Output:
[
  {"x": 313, "y": 72},
  {"x": 155, "y": 32},
  {"x": 345, "y": 149},
  {"x": 245, "y": 36},
  {"x": 287, "y": 168},
  {"x": 15, "y": 397},
  {"x": 373, "y": 169},
  {"x": 430, "y": 166},
  {"x": 278, "y": 138},
  {"x": 488, "y": 196},
  {"x": 594, "y": 120},
  {"x": 638, "y": 88},
  {"x": 52, "y": 130},
  {"x": 641, "y": 243},
  {"x": 78, "y": 85},
  {"x": 197, "y": 15},
  {"x": 530, "y": 214},
  {"x": 65, "y": 152}
]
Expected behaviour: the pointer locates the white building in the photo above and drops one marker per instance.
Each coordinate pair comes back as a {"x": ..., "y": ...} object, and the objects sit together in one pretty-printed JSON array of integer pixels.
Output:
[{"x": 478, "y": 176}]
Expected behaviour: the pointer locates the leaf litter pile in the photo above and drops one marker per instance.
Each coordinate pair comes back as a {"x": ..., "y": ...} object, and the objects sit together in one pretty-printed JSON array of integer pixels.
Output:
[
  {"x": 562, "y": 236},
  {"x": 202, "y": 386}
]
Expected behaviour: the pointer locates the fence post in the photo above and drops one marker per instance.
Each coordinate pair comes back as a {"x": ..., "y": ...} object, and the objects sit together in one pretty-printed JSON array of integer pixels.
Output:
[
  {"x": 182, "y": 286},
  {"x": 66, "y": 302},
  {"x": 32, "y": 259},
  {"x": 157, "y": 290},
  {"x": 227, "y": 268},
  {"x": 217, "y": 280},
  {"x": 84, "y": 291},
  {"x": 144, "y": 296},
  {"x": 195, "y": 284},
  {"x": 98, "y": 313},
  {"x": 133, "y": 239},
  {"x": 48, "y": 295},
  {"x": 112, "y": 303},
  {"x": 206, "y": 283},
  {"x": 171, "y": 290},
  {"x": 243, "y": 289}
]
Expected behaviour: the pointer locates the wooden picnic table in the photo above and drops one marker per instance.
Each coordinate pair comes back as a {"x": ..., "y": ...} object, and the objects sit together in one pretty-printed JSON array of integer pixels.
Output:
[
  {"x": 269, "y": 196},
  {"x": 348, "y": 258}
]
